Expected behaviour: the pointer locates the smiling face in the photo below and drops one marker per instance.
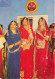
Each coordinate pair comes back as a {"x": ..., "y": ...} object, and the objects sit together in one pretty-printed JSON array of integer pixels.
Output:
[
  {"x": 13, "y": 25},
  {"x": 25, "y": 22}
]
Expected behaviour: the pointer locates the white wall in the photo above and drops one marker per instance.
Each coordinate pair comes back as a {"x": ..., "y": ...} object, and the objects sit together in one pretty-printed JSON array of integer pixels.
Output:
[{"x": 35, "y": 19}]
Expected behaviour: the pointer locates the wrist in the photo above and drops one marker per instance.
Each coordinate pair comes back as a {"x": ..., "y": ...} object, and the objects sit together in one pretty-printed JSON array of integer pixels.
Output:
[{"x": 14, "y": 44}]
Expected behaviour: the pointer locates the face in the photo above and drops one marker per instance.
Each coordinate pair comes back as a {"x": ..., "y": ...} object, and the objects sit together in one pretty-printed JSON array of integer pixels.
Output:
[
  {"x": 41, "y": 22},
  {"x": 25, "y": 22},
  {"x": 13, "y": 26},
  {"x": 2, "y": 28}
]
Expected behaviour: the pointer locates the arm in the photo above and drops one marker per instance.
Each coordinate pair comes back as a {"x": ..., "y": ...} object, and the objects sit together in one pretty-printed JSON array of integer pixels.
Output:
[
  {"x": 5, "y": 50},
  {"x": 10, "y": 46},
  {"x": 19, "y": 42},
  {"x": 46, "y": 38},
  {"x": 47, "y": 35}
]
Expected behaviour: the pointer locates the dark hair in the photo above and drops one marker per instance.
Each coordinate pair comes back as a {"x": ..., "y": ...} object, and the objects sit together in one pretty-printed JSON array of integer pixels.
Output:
[
  {"x": 1, "y": 25},
  {"x": 39, "y": 20},
  {"x": 24, "y": 18},
  {"x": 42, "y": 18},
  {"x": 51, "y": 26},
  {"x": 10, "y": 24}
]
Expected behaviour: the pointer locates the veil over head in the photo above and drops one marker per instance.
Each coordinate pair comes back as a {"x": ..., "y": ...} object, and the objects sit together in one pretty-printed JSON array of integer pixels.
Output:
[
  {"x": 0, "y": 29},
  {"x": 27, "y": 21},
  {"x": 45, "y": 24},
  {"x": 53, "y": 24},
  {"x": 29, "y": 26}
]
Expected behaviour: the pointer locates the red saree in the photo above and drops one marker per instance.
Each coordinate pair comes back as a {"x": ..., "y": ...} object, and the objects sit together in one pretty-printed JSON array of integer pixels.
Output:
[
  {"x": 52, "y": 75},
  {"x": 41, "y": 54},
  {"x": 26, "y": 54},
  {"x": 1, "y": 64}
]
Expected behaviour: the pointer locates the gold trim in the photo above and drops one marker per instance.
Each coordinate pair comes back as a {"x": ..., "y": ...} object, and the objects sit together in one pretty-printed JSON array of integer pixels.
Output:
[
  {"x": 41, "y": 43},
  {"x": 27, "y": 5},
  {"x": 39, "y": 33},
  {"x": 22, "y": 74}
]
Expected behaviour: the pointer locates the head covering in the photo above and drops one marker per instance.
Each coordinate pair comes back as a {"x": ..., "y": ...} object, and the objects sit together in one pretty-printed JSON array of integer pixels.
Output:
[
  {"x": 29, "y": 26},
  {"x": 1, "y": 29},
  {"x": 45, "y": 25},
  {"x": 13, "y": 38},
  {"x": 53, "y": 24}
]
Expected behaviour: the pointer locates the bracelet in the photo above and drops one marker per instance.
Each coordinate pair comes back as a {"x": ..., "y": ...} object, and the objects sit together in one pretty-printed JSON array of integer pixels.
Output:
[{"x": 14, "y": 44}]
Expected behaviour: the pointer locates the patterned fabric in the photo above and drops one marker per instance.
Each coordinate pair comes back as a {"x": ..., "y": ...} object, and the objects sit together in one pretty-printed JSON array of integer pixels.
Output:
[
  {"x": 26, "y": 52},
  {"x": 42, "y": 65},
  {"x": 1, "y": 63},
  {"x": 13, "y": 59}
]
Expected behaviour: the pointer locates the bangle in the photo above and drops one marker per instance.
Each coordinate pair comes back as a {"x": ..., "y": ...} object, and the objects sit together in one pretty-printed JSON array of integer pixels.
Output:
[{"x": 14, "y": 44}]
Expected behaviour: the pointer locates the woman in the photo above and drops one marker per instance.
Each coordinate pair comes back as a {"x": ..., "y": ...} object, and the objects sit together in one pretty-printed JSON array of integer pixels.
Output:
[
  {"x": 41, "y": 50},
  {"x": 52, "y": 41},
  {"x": 13, "y": 51},
  {"x": 2, "y": 41},
  {"x": 27, "y": 37}
]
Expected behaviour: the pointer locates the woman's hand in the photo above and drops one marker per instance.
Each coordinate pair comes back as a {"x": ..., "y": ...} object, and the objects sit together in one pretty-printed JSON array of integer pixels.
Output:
[
  {"x": 46, "y": 57},
  {"x": 46, "y": 38},
  {"x": 19, "y": 42},
  {"x": 5, "y": 54},
  {"x": 10, "y": 46},
  {"x": 24, "y": 47}
]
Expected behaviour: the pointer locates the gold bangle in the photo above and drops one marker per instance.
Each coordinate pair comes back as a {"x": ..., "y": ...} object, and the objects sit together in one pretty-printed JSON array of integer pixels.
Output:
[{"x": 14, "y": 44}]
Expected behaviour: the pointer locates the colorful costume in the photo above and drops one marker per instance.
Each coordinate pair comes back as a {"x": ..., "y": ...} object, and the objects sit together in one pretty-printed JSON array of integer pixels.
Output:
[
  {"x": 52, "y": 75},
  {"x": 13, "y": 55},
  {"x": 2, "y": 41},
  {"x": 41, "y": 53},
  {"x": 26, "y": 52}
]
